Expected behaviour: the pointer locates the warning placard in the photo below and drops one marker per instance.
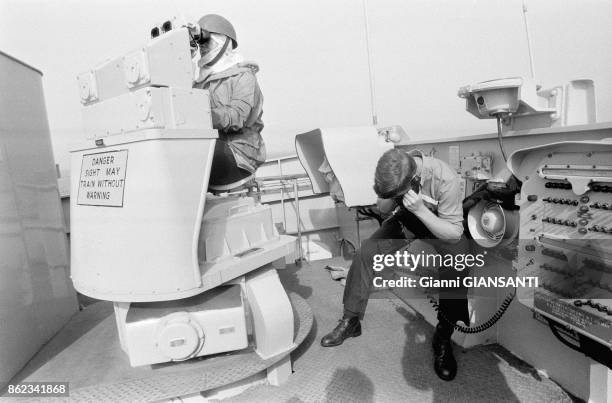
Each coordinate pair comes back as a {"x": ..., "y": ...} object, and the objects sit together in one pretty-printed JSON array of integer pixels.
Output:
[{"x": 102, "y": 179}]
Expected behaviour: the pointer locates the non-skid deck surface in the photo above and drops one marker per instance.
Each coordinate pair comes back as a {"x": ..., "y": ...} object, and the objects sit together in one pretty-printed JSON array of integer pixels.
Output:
[
  {"x": 86, "y": 353},
  {"x": 391, "y": 361}
]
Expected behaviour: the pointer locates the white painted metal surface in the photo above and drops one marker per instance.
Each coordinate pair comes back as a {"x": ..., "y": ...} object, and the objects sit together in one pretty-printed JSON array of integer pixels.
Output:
[
  {"x": 143, "y": 247},
  {"x": 208, "y": 323},
  {"x": 36, "y": 297},
  {"x": 163, "y": 62},
  {"x": 338, "y": 145},
  {"x": 271, "y": 311},
  {"x": 148, "y": 108},
  {"x": 278, "y": 250},
  {"x": 525, "y": 106},
  {"x": 234, "y": 226},
  {"x": 600, "y": 383}
]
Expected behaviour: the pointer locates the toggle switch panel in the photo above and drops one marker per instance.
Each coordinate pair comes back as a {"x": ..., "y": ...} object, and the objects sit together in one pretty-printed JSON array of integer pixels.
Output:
[{"x": 566, "y": 229}]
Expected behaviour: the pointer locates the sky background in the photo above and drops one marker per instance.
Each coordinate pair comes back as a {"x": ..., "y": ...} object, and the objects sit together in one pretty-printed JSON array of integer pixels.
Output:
[{"x": 313, "y": 55}]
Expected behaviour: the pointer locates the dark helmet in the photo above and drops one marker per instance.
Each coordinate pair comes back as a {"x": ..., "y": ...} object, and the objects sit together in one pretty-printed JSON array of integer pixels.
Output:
[{"x": 217, "y": 24}]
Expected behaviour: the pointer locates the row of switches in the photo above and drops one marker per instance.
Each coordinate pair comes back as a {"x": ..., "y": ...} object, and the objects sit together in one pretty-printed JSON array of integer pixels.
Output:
[
  {"x": 559, "y": 221},
  {"x": 561, "y": 201}
]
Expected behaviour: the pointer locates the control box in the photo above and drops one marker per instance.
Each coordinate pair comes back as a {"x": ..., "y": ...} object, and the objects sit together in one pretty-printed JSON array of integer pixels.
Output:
[
  {"x": 566, "y": 233},
  {"x": 208, "y": 323}
]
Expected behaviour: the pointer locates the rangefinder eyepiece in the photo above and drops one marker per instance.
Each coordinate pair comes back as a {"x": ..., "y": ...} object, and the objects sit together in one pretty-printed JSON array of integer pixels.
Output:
[
  {"x": 166, "y": 26},
  {"x": 202, "y": 37},
  {"x": 162, "y": 28}
]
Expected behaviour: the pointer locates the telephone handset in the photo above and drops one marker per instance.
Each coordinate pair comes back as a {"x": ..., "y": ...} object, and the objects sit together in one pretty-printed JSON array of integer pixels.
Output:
[{"x": 415, "y": 186}]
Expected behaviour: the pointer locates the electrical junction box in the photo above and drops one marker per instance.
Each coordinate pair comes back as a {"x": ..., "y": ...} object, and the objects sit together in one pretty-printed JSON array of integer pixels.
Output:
[
  {"x": 522, "y": 104},
  {"x": 209, "y": 323},
  {"x": 514, "y": 95}
]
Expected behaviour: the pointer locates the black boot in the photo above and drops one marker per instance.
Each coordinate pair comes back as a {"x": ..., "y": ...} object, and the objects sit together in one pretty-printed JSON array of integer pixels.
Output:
[
  {"x": 445, "y": 364},
  {"x": 347, "y": 327}
]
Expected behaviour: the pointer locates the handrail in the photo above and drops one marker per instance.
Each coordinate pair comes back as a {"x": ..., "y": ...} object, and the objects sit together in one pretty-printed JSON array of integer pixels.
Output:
[{"x": 287, "y": 177}]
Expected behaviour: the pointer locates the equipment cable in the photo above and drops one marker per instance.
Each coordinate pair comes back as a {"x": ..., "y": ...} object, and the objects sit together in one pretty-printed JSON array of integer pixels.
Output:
[
  {"x": 482, "y": 327},
  {"x": 499, "y": 136}
]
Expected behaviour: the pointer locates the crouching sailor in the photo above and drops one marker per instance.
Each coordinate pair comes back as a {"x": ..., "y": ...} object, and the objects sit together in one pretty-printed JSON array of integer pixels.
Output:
[{"x": 425, "y": 196}]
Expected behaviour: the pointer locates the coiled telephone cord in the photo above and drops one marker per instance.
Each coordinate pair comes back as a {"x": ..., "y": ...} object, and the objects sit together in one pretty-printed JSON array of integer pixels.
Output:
[{"x": 482, "y": 327}]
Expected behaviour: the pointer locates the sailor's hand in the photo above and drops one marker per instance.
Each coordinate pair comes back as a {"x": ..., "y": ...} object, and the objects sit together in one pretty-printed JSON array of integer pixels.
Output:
[
  {"x": 194, "y": 32},
  {"x": 194, "y": 29},
  {"x": 413, "y": 202}
]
